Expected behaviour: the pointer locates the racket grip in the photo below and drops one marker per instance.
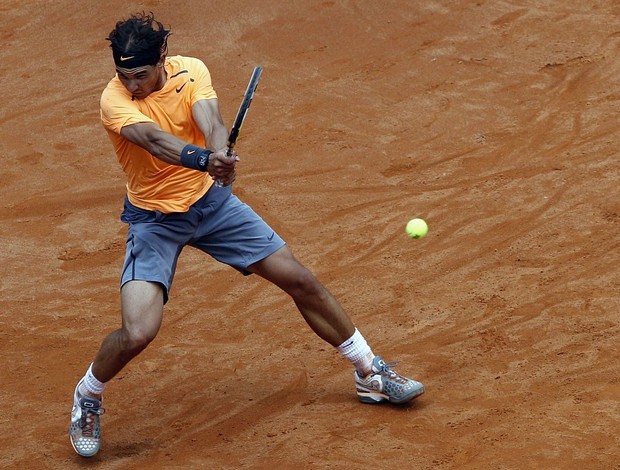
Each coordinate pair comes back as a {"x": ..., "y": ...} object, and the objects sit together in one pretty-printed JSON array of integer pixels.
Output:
[{"x": 218, "y": 182}]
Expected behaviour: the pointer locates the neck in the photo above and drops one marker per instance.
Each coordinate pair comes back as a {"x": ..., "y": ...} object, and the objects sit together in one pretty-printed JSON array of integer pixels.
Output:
[{"x": 163, "y": 78}]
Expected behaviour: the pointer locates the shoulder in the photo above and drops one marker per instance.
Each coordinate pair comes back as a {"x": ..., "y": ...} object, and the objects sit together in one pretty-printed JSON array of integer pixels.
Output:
[
  {"x": 184, "y": 70},
  {"x": 115, "y": 90},
  {"x": 115, "y": 94},
  {"x": 179, "y": 62}
]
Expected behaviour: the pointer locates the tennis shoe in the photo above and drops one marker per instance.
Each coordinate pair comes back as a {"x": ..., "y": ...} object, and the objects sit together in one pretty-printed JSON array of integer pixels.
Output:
[
  {"x": 84, "y": 430},
  {"x": 383, "y": 384}
]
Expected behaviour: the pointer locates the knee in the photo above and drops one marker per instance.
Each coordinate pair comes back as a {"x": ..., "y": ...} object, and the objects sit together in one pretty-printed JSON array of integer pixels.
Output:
[
  {"x": 135, "y": 340},
  {"x": 306, "y": 284}
]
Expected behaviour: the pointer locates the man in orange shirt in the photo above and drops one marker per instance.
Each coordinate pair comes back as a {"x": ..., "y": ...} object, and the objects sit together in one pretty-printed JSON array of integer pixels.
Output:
[{"x": 162, "y": 116}]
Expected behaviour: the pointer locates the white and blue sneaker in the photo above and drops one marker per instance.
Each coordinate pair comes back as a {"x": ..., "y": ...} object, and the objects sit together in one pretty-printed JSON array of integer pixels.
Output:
[
  {"x": 84, "y": 430},
  {"x": 383, "y": 384}
]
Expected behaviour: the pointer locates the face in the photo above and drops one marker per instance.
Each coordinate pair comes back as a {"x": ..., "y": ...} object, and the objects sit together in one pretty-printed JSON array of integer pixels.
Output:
[{"x": 142, "y": 81}]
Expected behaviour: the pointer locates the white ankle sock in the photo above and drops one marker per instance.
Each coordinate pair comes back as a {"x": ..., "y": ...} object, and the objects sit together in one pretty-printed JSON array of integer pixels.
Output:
[
  {"x": 90, "y": 385},
  {"x": 357, "y": 351}
]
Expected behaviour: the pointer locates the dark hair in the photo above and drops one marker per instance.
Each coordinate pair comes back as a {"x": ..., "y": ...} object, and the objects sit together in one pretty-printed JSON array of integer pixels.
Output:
[{"x": 140, "y": 35}]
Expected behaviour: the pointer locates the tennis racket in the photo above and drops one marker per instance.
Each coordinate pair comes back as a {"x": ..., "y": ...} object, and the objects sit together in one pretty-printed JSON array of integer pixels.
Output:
[{"x": 243, "y": 111}]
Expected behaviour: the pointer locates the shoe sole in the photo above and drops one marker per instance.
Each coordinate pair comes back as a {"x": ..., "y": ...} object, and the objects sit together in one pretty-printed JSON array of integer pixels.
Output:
[
  {"x": 370, "y": 397},
  {"x": 82, "y": 453}
]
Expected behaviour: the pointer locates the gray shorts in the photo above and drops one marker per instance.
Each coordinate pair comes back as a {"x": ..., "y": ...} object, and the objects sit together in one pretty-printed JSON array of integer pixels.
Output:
[{"x": 218, "y": 224}]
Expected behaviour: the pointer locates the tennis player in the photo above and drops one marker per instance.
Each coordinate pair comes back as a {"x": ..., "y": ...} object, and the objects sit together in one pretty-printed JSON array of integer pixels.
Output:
[{"x": 162, "y": 116}]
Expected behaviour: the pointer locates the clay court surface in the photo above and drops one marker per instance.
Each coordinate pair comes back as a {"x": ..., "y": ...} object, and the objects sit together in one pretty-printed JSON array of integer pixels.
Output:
[{"x": 496, "y": 121}]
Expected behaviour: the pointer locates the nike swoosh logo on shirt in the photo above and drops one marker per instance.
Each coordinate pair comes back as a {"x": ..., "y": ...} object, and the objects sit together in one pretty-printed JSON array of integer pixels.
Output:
[{"x": 181, "y": 87}]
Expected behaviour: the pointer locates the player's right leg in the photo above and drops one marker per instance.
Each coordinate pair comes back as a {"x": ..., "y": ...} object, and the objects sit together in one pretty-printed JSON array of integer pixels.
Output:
[
  {"x": 142, "y": 308},
  {"x": 142, "y": 313},
  {"x": 154, "y": 242}
]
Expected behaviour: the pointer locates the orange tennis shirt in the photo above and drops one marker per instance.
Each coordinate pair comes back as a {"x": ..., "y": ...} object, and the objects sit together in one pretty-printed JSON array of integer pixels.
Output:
[{"x": 153, "y": 184}]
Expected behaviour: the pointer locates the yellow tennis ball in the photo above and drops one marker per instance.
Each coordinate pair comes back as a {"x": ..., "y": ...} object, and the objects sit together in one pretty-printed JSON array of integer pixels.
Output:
[{"x": 416, "y": 228}]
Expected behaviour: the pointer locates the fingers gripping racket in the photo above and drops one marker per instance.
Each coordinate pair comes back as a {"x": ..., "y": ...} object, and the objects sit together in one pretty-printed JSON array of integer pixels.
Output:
[{"x": 243, "y": 110}]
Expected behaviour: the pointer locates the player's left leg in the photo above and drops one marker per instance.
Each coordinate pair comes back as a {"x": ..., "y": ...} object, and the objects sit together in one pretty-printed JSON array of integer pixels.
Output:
[
  {"x": 375, "y": 380},
  {"x": 318, "y": 306}
]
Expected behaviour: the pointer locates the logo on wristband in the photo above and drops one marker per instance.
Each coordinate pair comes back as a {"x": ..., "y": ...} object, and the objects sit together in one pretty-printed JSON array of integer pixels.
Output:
[{"x": 203, "y": 160}]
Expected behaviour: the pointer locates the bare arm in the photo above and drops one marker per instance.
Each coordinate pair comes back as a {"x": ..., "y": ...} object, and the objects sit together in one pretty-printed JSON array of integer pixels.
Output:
[
  {"x": 207, "y": 115},
  {"x": 159, "y": 143}
]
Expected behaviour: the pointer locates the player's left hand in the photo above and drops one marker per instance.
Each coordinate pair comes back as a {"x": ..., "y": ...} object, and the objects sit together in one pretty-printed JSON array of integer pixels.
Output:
[{"x": 222, "y": 166}]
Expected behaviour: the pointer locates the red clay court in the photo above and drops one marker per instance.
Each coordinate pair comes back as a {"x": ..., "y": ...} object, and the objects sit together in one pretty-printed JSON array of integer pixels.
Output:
[{"x": 496, "y": 121}]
